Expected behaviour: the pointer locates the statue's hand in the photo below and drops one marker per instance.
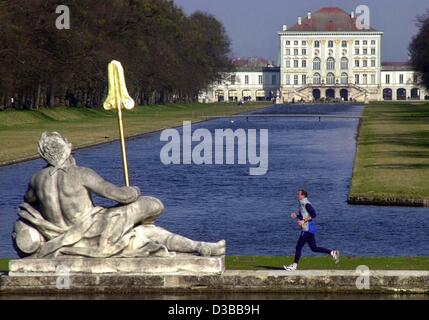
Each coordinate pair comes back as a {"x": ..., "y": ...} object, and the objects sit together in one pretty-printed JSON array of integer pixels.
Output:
[
  {"x": 137, "y": 192},
  {"x": 132, "y": 194}
]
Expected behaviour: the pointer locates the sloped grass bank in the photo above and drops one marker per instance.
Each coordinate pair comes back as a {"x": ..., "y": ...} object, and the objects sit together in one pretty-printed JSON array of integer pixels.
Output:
[
  {"x": 392, "y": 156},
  {"x": 20, "y": 130}
]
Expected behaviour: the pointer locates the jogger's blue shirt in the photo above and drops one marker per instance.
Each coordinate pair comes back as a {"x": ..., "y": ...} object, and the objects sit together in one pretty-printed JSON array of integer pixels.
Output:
[{"x": 307, "y": 210}]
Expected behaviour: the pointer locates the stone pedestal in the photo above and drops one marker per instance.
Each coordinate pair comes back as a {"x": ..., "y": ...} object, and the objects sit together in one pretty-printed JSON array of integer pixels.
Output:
[{"x": 181, "y": 263}]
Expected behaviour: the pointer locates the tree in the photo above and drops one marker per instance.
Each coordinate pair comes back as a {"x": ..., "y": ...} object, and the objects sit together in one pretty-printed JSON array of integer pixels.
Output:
[
  {"x": 167, "y": 55},
  {"x": 419, "y": 49}
]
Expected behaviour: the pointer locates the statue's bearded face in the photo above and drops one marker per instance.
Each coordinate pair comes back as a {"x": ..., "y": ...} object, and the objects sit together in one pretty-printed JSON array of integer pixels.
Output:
[{"x": 54, "y": 148}]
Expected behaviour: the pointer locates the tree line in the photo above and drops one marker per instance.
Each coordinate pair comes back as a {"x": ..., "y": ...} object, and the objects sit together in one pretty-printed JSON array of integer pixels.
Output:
[
  {"x": 419, "y": 49},
  {"x": 168, "y": 56}
]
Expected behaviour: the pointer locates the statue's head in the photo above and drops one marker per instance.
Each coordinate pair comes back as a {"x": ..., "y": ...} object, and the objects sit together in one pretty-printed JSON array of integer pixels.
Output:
[{"x": 54, "y": 148}]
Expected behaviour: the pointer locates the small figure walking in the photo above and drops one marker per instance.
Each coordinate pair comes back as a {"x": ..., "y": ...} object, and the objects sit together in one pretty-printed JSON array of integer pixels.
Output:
[{"x": 305, "y": 218}]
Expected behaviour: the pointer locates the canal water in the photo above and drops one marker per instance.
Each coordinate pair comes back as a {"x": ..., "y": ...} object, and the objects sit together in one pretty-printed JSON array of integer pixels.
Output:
[{"x": 213, "y": 202}]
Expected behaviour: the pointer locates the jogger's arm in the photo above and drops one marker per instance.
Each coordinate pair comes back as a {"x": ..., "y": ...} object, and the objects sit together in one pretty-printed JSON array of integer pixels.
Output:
[{"x": 311, "y": 211}]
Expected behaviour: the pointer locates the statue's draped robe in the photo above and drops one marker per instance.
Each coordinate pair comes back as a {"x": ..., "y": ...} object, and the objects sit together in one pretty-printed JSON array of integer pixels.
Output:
[{"x": 99, "y": 233}]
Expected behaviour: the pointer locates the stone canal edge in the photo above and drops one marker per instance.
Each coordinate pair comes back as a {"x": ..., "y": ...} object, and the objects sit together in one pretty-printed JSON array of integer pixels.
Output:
[{"x": 231, "y": 281}]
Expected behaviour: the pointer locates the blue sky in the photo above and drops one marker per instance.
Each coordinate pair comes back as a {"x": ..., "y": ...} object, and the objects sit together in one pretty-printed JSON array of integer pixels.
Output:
[{"x": 252, "y": 25}]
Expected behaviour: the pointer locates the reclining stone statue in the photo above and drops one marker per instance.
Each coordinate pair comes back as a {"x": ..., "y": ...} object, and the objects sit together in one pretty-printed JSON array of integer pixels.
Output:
[{"x": 58, "y": 216}]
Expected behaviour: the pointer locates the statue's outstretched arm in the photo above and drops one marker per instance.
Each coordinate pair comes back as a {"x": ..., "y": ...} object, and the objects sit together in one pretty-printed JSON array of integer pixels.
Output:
[{"x": 97, "y": 184}]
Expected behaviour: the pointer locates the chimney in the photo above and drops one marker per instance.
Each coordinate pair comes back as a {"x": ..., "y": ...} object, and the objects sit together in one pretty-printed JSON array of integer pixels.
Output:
[
  {"x": 352, "y": 14},
  {"x": 299, "y": 20},
  {"x": 284, "y": 27},
  {"x": 309, "y": 16}
]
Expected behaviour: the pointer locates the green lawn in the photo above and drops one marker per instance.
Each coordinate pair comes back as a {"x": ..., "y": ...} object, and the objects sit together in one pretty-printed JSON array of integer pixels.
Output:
[
  {"x": 392, "y": 160},
  {"x": 346, "y": 263},
  {"x": 4, "y": 265},
  {"x": 20, "y": 130}
]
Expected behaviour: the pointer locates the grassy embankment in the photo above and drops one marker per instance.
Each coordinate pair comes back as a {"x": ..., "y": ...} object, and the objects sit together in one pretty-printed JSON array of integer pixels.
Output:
[
  {"x": 20, "y": 130},
  {"x": 322, "y": 263},
  {"x": 392, "y": 159},
  {"x": 346, "y": 263}
]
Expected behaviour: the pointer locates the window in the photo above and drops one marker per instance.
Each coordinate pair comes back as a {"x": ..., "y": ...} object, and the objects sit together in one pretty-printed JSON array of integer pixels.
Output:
[
  {"x": 287, "y": 79},
  {"x": 295, "y": 52},
  {"x": 317, "y": 44},
  {"x": 365, "y": 63},
  {"x": 273, "y": 79},
  {"x": 356, "y": 51},
  {"x": 365, "y": 51},
  {"x": 344, "y": 63},
  {"x": 344, "y": 78},
  {"x": 304, "y": 79},
  {"x": 401, "y": 78},
  {"x": 288, "y": 52},
  {"x": 304, "y": 63},
  {"x": 373, "y": 63},
  {"x": 295, "y": 42},
  {"x": 365, "y": 42},
  {"x": 246, "y": 79},
  {"x": 233, "y": 79},
  {"x": 365, "y": 78},
  {"x": 373, "y": 51},
  {"x": 415, "y": 78},
  {"x": 304, "y": 43},
  {"x": 373, "y": 42},
  {"x": 330, "y": 44},
  {"x": 373, "y": 79},
  {"x": 344, "y": 44},
  {"x": 295, "y": 63},
  {"x": 304, "y": 52},
  {"x": 287, "y": 42},
  {"x": 316, "y": 64},
  {"x": 357, "y": 42},
  {"x": 295, "y": 79},
  {"x": 387, "y": 78},
  {"x": 357, "y": 64},
  {"x": 330, "y": 63},
  {"x": 330, "y": 78},
  {"x": 316, "y": 78},
  {"x": 260, "y": 79},
  {"x": 356, "y": 79},
  {"x": 287, "y": 63}
]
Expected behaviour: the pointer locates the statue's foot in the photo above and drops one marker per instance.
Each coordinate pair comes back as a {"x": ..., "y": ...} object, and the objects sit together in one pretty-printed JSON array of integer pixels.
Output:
[
  {"x": 212, "y": 249},
  {"x": 218, "y": 248}
]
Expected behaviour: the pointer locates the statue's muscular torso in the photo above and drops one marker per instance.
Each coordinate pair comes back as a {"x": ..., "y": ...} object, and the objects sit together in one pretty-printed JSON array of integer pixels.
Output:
[{"x": 65, "y": 196}]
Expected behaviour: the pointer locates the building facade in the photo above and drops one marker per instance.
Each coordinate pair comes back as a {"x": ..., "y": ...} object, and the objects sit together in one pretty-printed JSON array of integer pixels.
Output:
[
  {"x": 400, "y": 82},
  {"x": 325, "y": 57},
  {"x": 254, "y": 83}
]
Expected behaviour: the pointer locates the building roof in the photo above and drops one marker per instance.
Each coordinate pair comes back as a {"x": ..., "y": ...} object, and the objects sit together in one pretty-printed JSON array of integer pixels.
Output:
[
  {"x": 328, "y": 19},
  {"x": 253, "y": 65},
  {"x": 396, "y": 66},
  {"x": 257, "y": 69}
]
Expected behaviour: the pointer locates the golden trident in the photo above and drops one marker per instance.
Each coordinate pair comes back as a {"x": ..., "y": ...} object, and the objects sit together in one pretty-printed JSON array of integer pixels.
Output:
[{"x": 119, "y": 98}]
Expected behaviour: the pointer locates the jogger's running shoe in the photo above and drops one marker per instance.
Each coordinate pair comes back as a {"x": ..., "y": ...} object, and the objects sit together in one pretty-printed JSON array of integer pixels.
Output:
[
  {"x": 335, "y": 255},
  {"x": 291, "y": 267}
]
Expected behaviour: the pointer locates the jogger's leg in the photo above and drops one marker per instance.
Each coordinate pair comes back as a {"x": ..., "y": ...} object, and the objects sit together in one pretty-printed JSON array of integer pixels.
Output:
[
  {"x": 299, "y": 245},
  {"x": 313, "y": 246}
]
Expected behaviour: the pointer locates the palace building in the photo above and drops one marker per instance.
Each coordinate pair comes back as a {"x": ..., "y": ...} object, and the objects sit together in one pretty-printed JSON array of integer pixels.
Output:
[{"x": 323, "y": 57}]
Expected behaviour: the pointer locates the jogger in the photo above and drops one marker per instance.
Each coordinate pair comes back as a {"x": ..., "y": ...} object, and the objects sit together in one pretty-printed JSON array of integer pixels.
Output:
[{"x": 308, "y": 230}]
